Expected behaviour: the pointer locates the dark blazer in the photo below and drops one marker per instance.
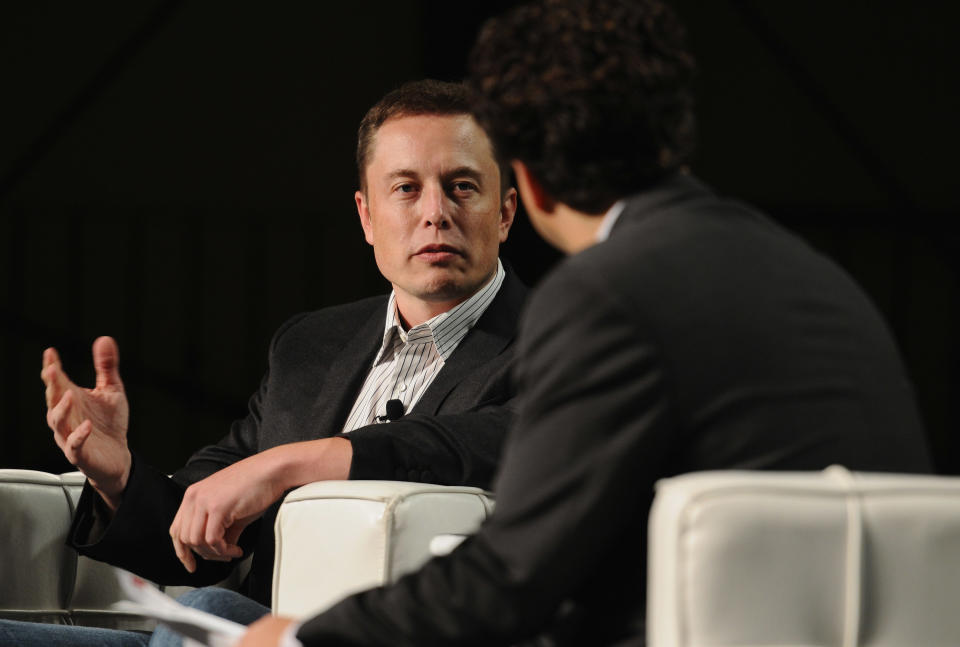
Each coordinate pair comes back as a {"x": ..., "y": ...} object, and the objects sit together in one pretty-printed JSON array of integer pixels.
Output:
[
  {"x": 317, "y": 365},
  {"x": 699, "y": 336}
]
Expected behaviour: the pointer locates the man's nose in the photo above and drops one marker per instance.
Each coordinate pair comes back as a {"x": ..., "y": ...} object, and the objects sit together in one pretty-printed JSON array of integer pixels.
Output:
[{"x": 435, "y": 208}]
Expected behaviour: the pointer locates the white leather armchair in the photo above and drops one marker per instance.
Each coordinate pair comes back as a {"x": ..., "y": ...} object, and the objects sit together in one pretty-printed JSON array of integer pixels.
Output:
[
  {"x": 43, "y": 580},
  {"x": 333, "y": 538},
  {"x": 337, "y": 537},
  {"x": 827, "y": 558}
]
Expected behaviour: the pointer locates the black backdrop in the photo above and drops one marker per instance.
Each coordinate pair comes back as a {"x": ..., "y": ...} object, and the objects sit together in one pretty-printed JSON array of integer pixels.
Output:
[{"x": 180, "y": 175}]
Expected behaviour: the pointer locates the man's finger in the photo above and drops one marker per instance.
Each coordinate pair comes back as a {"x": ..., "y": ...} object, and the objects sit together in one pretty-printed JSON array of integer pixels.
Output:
[
  {"x": 178, "y": 546},
  {"x": 192, "y": 537},
  {"x": 175, "y": 526},
  {"x": 106, "y": 362},
  {"x": 184, "y": 555},
  {"x": 231, "y": 551},
  {"x": 230, "y": 537},
  {"x": 50, "y": 356},
  {"x": 74, "y": 442},
  {"x": 192, "y": 532},
  {"x": 79, "y": 435},
  {"x": 49, "y": 393},
  {"x": 54, "y": 378},
  {"x": 213, "y": 533},
  {"x": 217, "y": 539},
  {"x": 57, "y": 419}
]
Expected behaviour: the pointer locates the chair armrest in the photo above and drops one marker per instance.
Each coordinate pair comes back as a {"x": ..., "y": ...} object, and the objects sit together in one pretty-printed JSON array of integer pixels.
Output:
[
  {"x": 804, "y": 558},
  {"x": 334, "y": 538},
  {"x": 444, "y": 544},
  {"x": 95, "y": 585},
  {"x": 36, "y": 567},
  {"x": 43, "y": 579}
]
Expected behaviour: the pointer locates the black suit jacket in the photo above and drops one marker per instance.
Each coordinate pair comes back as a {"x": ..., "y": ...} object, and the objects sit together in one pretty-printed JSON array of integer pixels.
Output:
[
  {"x": 699, "y": 336},
  {"x": 317, "y": 365}
]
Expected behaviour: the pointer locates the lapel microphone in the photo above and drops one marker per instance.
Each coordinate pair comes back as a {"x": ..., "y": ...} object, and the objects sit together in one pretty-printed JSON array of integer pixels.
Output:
[{"x": 394, "y": 411}]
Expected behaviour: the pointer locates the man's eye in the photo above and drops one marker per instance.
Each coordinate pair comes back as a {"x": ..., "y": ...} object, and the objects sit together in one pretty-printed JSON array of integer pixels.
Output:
[
  {"x": 406, "y": 188},
  {"x": 464, "y": 186}
]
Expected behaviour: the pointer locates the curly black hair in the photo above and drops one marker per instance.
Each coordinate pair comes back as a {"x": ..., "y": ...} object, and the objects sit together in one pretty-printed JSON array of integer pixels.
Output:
[{"x": 594, "y": 96}]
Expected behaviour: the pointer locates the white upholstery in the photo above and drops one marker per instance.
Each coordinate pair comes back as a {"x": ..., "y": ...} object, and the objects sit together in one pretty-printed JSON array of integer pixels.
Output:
[
  {"x": 41, "y": 578},
  {"x": 818, "y": 558},
  {"x": 342, "y": 536},
  {"x": 338, "y": 537},
  {"x": 44, "y": 580},
  {"x": 738, "y": 559}
]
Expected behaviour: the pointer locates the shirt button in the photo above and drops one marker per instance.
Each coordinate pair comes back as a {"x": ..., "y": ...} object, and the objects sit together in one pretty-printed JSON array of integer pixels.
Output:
[{"x": 403, "y": 387}]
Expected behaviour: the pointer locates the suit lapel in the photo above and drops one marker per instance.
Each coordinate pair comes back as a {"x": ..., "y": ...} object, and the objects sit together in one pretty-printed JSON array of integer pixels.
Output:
[
  {"x": 347, "y": 371},
  {"x": 487, "y": 339}
]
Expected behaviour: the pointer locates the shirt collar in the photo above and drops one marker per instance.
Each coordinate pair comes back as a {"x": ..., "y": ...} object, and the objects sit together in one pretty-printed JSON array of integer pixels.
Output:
[
  {"x": 609, "y": 220},
  {"x": 447, "y": 329}
]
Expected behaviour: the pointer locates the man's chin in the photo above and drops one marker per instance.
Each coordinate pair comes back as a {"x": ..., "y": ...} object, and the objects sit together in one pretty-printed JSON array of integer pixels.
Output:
[
  {"x": 447, "y": 287},
  {"x": 446, "y": 293}
]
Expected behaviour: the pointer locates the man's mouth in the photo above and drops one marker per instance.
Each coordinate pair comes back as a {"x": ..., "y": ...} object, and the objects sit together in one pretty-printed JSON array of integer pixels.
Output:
[{"x": 435, "y": 253}]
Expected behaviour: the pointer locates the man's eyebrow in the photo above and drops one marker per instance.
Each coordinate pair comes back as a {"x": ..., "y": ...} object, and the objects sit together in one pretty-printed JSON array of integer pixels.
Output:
[
  {"x": 402, "y": 172},
  {"x": 460, "y": 171},
  {"x": 464, "y": 171}
]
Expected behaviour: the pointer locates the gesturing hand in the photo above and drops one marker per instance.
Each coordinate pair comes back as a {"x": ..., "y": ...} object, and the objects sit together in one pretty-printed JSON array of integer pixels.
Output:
[
  {"x": 90, "y": 425},
  {"x": 215, "y": 510}
]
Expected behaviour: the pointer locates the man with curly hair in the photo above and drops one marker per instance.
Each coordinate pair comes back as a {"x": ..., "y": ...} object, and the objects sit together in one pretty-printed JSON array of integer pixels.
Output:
[{"x": 686, "y": 332}]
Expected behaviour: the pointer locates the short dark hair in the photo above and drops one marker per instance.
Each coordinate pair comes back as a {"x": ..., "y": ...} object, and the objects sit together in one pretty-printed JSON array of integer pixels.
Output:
[
  {"x": 424, "y": 97},
  {"x": 594, "y": 96}
]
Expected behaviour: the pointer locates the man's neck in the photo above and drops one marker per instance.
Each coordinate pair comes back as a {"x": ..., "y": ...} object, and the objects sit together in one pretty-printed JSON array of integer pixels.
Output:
[
  {"x": 413, "y": 311},
  {"x": 578, "y": 230}
]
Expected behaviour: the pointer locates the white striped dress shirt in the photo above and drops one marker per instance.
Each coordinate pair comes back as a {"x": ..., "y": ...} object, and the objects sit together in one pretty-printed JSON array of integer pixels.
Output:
[{"x": 409, "y": 360}]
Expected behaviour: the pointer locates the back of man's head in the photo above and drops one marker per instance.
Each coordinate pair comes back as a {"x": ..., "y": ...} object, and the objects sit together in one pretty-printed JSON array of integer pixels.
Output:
[
  {"x": 594, "y": 96},
  {"x": 424, "y": 97}
]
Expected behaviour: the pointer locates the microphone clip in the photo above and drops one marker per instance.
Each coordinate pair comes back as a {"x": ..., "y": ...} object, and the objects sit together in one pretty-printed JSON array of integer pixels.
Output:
[{"x": 395, "y": 411}]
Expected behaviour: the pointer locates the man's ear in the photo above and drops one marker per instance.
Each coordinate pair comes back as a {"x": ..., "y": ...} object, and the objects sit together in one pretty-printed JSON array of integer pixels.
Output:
[
  {"x": 508, "y": 209},
  {"x": 534, "y": 196},
  {"x": 364, "y": 210}
]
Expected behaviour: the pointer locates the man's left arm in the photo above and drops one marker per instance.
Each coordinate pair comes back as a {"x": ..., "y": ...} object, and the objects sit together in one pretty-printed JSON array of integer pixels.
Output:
[
  {"x": 215, "y": 511},
  {"x": 451, "y": 449},
  {"x": 447, "y": 449},
  {"x": 458, "y": 448}
]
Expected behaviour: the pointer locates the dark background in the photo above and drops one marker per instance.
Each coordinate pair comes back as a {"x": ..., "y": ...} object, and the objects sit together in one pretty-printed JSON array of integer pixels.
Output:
[{"x": 179, "y": 175}]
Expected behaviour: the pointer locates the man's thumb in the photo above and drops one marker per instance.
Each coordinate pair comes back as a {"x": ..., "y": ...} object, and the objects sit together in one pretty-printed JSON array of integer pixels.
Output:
[{"x": 106, "y": 360}]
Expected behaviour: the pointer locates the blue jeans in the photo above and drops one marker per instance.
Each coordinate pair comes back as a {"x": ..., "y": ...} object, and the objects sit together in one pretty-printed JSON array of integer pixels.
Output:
[
  {"x": 221, "y": 602},
  {"x": 17, "y": 633}
]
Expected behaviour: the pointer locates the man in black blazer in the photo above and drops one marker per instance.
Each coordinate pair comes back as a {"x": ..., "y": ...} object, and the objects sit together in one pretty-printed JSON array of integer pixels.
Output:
[
  {"x": 686, "y": 332},
  {"x": 435, "y": 204}
]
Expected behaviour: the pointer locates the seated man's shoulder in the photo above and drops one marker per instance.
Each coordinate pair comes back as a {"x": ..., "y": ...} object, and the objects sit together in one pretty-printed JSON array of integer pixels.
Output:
[{"x": 337, "y": 322}]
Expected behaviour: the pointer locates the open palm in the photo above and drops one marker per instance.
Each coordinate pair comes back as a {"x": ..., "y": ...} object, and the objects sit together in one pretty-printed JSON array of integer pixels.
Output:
[{"x": 90, "y": 425}]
